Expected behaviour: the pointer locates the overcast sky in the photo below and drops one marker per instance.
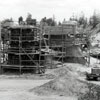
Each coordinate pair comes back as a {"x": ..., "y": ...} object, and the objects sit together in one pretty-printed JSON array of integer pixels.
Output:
[{"x": 41, "y": 8}]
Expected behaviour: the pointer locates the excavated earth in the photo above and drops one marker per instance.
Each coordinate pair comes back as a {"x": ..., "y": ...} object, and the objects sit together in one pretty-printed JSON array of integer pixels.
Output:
[
  {"x": 65, "y": 82},
  {"x": 70, "y": 82}
]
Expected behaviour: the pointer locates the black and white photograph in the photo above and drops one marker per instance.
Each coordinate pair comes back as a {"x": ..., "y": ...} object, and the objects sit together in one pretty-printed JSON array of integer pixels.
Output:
[{"x": 49, "y": 50}]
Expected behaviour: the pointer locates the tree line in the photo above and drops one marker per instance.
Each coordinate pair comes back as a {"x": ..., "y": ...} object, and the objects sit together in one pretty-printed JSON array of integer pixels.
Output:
[{"x": 82, "y": 21}]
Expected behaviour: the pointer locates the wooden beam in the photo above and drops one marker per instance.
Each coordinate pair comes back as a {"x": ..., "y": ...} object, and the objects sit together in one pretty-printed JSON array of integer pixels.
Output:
[{"x": 0, "y": 43}]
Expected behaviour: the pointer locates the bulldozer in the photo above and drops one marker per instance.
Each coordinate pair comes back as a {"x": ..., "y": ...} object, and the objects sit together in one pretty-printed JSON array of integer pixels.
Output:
[{"x": 94, "y": 75}]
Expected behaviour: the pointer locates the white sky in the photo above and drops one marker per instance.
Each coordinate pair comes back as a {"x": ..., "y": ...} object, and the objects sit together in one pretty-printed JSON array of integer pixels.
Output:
[{"x": 41, "y": 8}]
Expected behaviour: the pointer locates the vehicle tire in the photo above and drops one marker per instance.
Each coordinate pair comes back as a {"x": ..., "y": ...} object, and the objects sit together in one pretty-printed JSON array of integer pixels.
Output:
[
  {"x": 95, "y": 78},
  {"x": 98, "y": 78}
]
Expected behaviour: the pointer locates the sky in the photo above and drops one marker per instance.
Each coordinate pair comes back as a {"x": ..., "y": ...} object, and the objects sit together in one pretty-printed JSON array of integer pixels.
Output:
[{"x": 60, "y": 9}]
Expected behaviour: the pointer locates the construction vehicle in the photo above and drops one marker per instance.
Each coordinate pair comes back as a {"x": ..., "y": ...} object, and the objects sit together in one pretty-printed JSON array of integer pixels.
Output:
[{"x": 94, "y": 75}]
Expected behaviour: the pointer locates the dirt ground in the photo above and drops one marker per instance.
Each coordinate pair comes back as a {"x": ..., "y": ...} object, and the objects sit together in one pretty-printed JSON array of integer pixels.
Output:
[
  {"x": 15, "y": 87},
  {"x": 18, "y": 89}
]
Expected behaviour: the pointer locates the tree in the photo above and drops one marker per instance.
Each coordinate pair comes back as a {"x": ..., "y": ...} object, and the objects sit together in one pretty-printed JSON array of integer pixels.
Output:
[
  {"x": 82, "y": 21},
  {"x": 94, "y": 20},
  {"x": 4, "y": 28},
  {"x": 59, "y": 23},
  {"x": 7, "y": 22},
  {"x": 44, "y": 19},
  {"x": 20, "y": 20},
  {"x": 30, "y": 21},
  {"x": 51, "y": 22}
]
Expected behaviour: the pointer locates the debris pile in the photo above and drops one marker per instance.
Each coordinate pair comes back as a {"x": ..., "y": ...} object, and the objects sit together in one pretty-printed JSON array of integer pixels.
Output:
[
  {"x": 66, "y": 83},
  {"x": 92, "y": 94}
]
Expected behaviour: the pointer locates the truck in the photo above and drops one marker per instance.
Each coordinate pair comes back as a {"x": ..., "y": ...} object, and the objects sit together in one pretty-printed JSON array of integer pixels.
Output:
[{"x": 94, "y": 75}]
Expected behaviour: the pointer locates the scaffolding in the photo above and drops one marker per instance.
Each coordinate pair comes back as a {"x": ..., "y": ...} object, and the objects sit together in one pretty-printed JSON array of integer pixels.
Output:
[
  {"x": 29, "y": 47},
  {"x": 61, "y": 38},
  {"x": 22, "y": 49}
]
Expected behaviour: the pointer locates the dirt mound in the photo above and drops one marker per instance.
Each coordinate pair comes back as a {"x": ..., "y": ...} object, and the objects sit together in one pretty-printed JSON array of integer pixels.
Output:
[
  {"x": 66, "y": 83},
  {"x": 62, "y": 86},
  {"x": 77, "y": 69}
]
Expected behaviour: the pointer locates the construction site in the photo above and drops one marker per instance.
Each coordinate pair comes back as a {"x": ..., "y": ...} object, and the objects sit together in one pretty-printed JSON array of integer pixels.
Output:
[
  {"x": 30, "y": 47},
  {"x": 47, "y": 63}
]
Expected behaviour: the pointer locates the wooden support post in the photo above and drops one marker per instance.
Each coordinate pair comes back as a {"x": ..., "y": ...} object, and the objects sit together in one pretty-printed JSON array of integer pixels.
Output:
[
  {"x": 39, "y": 53},
  {"x": 49, "y": 36},
  {"x": 89, "y": 57},
  {"x": 0, "y": 50},
  {"x": 20, "y": 46},
  {"x": 20, "y": 70},
  {"x": 62, "y": 46}
]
